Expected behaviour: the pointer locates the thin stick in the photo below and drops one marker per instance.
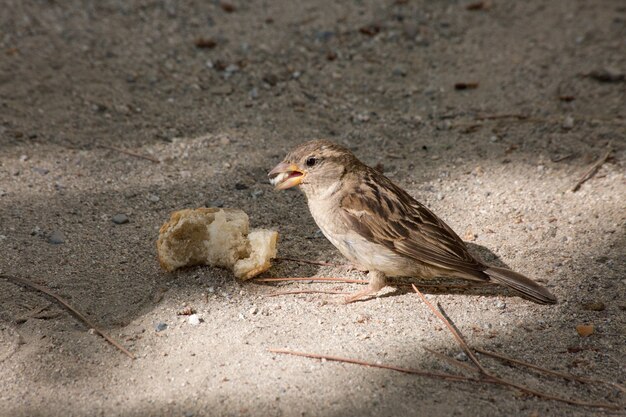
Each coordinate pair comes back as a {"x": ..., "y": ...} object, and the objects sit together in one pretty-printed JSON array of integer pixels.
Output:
[
  {"x": 549, "y": 371},
  {"x": 501, "y": 116},
  {"x": 276, "y": 294},
  {"x": 539, "y": 394},
  {"x": 456, "y": 335},
  {"x": 131, "y": 153},
  {"x": 322, "y": 279},
  {"x": 593, "y": 169},
  {"x": 450, "y": 377},
  {"x": 64, "y": 303},
  {"x": 305, "y": 261}
]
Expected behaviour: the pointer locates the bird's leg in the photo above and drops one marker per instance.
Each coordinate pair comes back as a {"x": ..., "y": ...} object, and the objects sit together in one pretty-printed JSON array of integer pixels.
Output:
[{"x": 377, "y": 283}]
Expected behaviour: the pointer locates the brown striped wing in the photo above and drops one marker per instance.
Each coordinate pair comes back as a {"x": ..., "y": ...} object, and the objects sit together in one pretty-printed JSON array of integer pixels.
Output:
[{"x": 383, "y": 213}]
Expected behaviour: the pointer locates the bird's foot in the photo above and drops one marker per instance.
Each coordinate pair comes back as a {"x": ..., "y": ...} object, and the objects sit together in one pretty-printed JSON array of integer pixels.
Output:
[
  {"x": 359, "y": 295},
  {"x": 377, "y": 283}
]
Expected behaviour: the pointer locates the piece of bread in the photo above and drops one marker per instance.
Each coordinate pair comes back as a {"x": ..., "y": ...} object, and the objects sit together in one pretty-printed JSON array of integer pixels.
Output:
[
  {"x": 218, "y": 237},
  {"x": 263, "y": 250}
]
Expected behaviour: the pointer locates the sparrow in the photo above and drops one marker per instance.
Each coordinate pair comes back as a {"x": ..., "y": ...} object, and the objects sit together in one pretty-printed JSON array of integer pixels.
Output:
[{"x": 382, "y": 229}]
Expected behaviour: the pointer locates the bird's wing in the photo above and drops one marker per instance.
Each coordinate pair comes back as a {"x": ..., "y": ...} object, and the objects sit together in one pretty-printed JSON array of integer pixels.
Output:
[{"x": 385, "y": 214}]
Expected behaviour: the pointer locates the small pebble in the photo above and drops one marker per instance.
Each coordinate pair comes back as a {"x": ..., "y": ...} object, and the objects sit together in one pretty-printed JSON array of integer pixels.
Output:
[
  {"x": 160, "y": 326},
  {"x": 214, "y": 203},
  {"x": 56, "y": 238},
  {"x": 257, "y": 193},
  {"x": 585, "y": 330},
  {"x": 270, "y": 79},
  {"x": 194, "y": 319},
  {"x": 500, "y": 305},
  {"x": 254, "y": 93},
  {"x": 232, "y": 68},
  {"x": 361, "y": 118},
  {"x": 323, "y": 35},
  {"x": 461, "y": 356},
  {"x": 399, "y": 71},
  {"x": 444, "y": 125},
  {"x": 41, "y": 171},
  {"x": 318, "y": 234},
  {"x": 568, "y": 123},
  {"x": 222, "y": 90},
  {"x": 36, "y": 231},
  {"x": 120, "y": 218},
  {"x": 153, "y": 198}
]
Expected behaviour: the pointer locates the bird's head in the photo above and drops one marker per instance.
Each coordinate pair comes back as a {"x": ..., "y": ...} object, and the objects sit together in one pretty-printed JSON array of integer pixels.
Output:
[{"x": 315, "y": 166}]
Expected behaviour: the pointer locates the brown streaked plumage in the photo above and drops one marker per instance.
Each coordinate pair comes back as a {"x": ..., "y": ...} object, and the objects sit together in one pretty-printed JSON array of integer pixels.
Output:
[{"x": 380, "y": 227}]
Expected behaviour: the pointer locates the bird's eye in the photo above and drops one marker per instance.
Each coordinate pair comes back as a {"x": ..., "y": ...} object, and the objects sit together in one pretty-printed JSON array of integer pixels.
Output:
[{"x": 310, "y": 161}]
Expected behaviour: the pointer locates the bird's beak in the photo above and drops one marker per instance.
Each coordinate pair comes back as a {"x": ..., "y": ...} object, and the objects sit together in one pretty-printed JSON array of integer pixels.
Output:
[{"x": 285, "y": 176}]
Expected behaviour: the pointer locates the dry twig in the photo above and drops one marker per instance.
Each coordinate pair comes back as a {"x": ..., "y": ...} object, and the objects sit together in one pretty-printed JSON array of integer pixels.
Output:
[
  {"x": 449, "y": 377},
  {"x": 131, "y": 153},
  {"x": 27, "y": 283},
  {"x": 568, "y": 377},
  {"x": 593, "y": 169},
  {"x": 279, "y": 293},
  {"x": 313, "y": 279},
  {"x": 456, "y": 334},
  {"x": 305, "y": 261},
  {"x": 501, "y": 116}
]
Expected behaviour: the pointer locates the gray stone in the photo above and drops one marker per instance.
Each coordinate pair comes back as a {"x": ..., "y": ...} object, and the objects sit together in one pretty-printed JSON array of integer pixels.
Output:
[
  {"x": 56, "y": 237},
  {"x": 568, "y": 123},
  {"x": 399, "y": 71},
  {"x": 254, "y": 93},
  {"x": 120, "y": 218},
  {"x": 214, "y": 203},
  {"x": 160, "y": 326},
  {"x": 41, "y": 171}
]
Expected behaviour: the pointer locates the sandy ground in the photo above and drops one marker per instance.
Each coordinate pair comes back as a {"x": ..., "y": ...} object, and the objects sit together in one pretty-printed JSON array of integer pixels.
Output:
[{"x": 379, "y": 77}]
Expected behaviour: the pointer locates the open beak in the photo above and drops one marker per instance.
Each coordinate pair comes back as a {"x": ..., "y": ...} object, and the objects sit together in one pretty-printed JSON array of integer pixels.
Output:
[{"x": 285, "y": 176}]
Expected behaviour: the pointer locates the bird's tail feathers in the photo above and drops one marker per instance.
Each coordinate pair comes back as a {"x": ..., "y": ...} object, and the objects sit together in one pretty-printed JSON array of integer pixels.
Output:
[{"x": 522, "y": 284}]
